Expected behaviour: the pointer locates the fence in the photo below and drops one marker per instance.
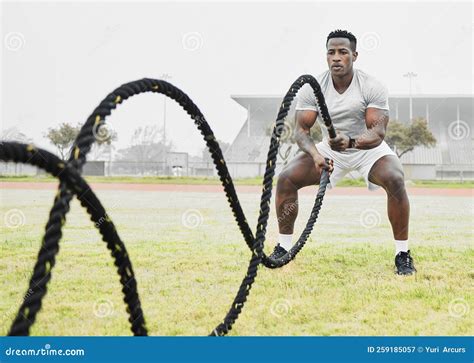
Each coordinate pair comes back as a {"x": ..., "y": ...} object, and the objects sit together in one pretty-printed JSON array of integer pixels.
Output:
[{"x": 122, "y": 168}]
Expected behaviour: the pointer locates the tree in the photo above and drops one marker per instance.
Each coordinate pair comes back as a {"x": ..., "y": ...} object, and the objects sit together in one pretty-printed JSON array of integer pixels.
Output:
[
  {"x": 403, "y": 138},
  {"x": 147, "y": 145},
  {"x": 13, "y": 134},
  {"x": 147, "y": 148},
  {"x": 63, "y": 137}
]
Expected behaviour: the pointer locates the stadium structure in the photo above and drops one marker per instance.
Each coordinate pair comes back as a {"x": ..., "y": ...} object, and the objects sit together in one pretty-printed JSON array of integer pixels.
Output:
[{"x": 449, "y": 117}]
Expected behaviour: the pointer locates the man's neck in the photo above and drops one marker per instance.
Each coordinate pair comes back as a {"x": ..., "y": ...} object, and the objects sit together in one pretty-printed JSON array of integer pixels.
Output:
[{"x": 342, "y": 83}]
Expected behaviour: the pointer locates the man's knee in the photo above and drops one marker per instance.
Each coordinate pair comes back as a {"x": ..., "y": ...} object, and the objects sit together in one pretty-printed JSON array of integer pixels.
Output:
[
  {"x": 285, "y": 183},
  {"x": 394, "y": 184}
]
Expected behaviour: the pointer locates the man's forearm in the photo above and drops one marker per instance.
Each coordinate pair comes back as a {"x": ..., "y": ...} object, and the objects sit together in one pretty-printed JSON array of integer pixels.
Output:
[
  {"x": 368, "y": 140},
  {"x": 305, "y": 143},
  {"x": 376, "y": 121}
]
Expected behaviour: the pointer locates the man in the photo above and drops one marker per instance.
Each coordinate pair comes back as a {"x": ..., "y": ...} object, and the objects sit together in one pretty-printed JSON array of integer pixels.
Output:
[{"x": 358, "y": 105}]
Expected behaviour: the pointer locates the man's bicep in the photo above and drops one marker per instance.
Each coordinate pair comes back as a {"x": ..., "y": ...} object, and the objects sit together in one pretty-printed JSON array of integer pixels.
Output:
[{"x": 305, "y": 119}]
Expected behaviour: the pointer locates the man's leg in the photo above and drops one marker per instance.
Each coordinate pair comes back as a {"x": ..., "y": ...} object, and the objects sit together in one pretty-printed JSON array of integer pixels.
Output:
[
  {"x": 388, "y": 173},
  {"x": 300, "y": 172}
]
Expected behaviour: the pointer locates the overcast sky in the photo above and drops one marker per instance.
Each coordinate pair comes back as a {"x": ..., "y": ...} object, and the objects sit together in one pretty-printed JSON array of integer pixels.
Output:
[{"x": 60, "y": 59}]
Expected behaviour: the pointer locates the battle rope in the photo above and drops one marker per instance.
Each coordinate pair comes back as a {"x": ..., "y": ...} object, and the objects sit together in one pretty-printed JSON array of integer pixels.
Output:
[
  {"x": 21, "y": 153},
  {"x": 71, "y": 183}
]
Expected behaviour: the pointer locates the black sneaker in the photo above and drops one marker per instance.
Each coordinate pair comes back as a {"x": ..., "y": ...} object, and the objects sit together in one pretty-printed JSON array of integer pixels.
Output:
[
  {"x": 278, "y": 252},
  {"x": 404, "y": 263}
]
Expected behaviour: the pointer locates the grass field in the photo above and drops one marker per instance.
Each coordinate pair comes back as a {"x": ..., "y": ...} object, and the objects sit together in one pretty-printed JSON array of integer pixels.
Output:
[
  {"x": 189, "y": 259},
  {"x": 352, "y": 182}
]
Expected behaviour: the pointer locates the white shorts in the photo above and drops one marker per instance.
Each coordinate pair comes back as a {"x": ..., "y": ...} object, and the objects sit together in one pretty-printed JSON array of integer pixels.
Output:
[{"x": 360, "y": 161}]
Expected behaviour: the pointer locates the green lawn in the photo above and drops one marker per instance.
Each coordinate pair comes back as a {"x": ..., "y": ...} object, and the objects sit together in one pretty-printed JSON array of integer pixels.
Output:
[
  {"x": 342, "y": 283},
  {"x": 346, "y": 182}
]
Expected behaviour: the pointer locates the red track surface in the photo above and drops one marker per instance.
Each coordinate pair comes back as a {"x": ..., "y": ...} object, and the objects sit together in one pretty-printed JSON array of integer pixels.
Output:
[{"x": 240, "y": 189}]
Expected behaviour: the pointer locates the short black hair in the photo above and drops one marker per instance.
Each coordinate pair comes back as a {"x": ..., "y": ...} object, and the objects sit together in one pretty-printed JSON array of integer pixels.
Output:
[{"x": 338, "y": 33}]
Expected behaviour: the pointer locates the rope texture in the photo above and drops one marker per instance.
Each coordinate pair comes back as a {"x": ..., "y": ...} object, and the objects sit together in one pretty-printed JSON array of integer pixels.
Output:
[{"x": 71, "y": 183}]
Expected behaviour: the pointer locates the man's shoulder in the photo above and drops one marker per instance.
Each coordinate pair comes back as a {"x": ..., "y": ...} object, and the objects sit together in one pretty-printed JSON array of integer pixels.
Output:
[
  {"x": 367, "y": 81},
  {"x": 322, "y": 77},
  {"x": 374, "y": 92}
]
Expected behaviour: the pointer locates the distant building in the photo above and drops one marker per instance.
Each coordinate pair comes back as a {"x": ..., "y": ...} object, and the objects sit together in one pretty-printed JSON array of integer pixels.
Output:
[{"x": 450, "y": 118}]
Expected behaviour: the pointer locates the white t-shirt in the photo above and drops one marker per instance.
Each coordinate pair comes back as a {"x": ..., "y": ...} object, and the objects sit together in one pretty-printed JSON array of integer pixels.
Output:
[{"x": 347, "y": 110}]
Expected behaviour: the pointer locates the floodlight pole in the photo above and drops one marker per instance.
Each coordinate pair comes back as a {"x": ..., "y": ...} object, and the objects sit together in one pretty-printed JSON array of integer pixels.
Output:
[{"x": 410, "y": 76}]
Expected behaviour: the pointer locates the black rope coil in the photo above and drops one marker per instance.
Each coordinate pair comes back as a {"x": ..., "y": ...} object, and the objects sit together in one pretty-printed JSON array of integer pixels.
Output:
[{"x": 71, "y": 183}]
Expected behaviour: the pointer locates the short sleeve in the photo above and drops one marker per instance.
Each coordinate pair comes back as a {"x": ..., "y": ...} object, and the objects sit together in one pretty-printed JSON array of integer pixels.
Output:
[
  {"x": 306, "y": 100},
  {"x": 377, "y": 95}
]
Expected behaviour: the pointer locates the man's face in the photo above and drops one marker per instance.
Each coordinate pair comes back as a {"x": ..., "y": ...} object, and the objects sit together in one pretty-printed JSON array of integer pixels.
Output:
[{"x": 340, "y": 56}]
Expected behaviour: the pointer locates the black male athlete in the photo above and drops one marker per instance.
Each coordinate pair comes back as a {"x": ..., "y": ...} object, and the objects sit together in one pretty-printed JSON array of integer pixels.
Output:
[{"x": 358, "y": 106}]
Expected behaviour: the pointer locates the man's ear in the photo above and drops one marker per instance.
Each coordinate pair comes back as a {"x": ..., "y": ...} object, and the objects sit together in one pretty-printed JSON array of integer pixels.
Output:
[{"x": 354, "y": 56}]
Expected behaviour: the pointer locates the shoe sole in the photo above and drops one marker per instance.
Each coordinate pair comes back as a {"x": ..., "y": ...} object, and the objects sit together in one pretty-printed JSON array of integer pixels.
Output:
[{"x": 405, "y": 274}]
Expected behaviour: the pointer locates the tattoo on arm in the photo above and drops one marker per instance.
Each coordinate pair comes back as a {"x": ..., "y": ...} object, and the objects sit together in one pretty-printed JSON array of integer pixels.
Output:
[{"x": 304, "y": 121}]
